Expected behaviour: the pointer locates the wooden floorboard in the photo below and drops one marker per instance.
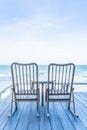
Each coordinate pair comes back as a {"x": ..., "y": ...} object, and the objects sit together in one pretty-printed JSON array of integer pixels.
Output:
[
  {"x": 63, "y": 117},
  {"x": 14, "y": 119},
  {"x": 75, "y": 121},
  {"x": 25, "y": 118}
]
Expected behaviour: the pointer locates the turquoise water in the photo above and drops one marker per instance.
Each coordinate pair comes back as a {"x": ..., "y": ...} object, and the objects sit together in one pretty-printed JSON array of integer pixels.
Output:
[
  {"x": 5, "y": 73},
  {"x": 80, "y": 73}
]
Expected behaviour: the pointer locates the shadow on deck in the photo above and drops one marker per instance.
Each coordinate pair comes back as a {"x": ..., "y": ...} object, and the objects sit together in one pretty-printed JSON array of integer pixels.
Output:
[{"x": 60, "y": 118}]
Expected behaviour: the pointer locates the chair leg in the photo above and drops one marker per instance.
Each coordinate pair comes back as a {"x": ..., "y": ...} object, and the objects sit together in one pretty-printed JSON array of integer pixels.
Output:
[
  {"x": 37, "y": 109},
  {"x": 13, "y": 100},
  {"x": 73, "y": 103},
  {"x": 45, "y": 97},
  {"x": 47, "y": 108},
  {"x": 15, "y": 105},
  {"x": 38, "y": 98},
  {"x": 12, "y": 104}
]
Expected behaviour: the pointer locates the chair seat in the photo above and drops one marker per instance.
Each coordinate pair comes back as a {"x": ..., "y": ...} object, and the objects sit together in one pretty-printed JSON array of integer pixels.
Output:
[
  {"x": 58, "y": 92},
  {"x": 27, "y": 92},
  {"x": 59, "y": 97}
]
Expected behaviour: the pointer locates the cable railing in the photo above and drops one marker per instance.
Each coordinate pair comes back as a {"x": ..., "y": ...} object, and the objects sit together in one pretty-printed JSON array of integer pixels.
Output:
[
  {"x": 6, "y": 87},
  {"x": 80, "y": 83}
]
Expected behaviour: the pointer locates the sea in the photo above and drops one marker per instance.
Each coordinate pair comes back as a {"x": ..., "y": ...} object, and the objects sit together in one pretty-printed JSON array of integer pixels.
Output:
[{"x": 80, "y": 73}]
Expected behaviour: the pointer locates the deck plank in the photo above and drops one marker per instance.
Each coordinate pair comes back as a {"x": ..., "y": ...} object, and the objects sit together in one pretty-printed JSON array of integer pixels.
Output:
[
  {"x": 25, "y": 117},
  {"x": 44, "y": 120},
  {"x": 33, "y": 121},
  {"x": 82, "y": 110},
  {"x": 75, "y": 121},
  {"x": 13, "y": 120},
  {"x": 56, "y": 123},
  {"x": 47, "y": 123},
  {"x": 66, "y": 123},
  {"x": 4, "y": 111}
]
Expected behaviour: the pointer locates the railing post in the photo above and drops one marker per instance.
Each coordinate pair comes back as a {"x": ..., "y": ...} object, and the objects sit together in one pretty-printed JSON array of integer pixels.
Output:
[{"x": 42, "y": 93}]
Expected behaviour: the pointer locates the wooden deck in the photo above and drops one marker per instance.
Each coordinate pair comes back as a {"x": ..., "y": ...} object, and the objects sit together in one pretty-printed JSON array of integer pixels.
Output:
[{"x": 60, "y": 118}]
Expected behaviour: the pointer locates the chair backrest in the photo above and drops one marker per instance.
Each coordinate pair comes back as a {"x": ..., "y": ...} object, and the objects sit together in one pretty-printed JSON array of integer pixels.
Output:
[
  {"x": 60, "y": 78},
  {"x": 25, "y": 78}
]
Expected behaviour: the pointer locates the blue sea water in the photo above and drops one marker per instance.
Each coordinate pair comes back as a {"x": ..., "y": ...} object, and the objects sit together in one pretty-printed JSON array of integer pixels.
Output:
[
  {"x": 5, "y": 73},
  {"x": 80, "y": 73}
]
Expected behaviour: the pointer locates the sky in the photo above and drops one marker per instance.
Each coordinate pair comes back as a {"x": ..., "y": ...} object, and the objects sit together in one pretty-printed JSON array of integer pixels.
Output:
[{"x": 43, "y": 31}]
